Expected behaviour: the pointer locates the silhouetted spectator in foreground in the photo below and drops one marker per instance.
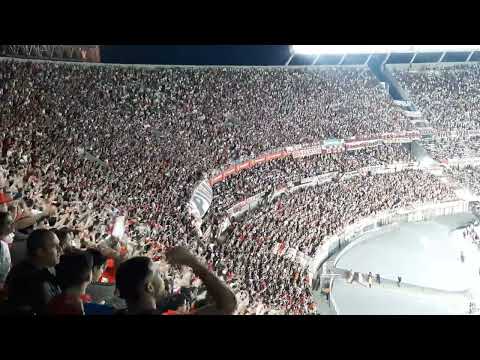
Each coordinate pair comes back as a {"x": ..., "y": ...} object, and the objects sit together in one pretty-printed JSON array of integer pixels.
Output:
[
  {"x": 140, "y": 284},
  {"x": 30, "y": 284},
  {"x": 74, "y": 273}
]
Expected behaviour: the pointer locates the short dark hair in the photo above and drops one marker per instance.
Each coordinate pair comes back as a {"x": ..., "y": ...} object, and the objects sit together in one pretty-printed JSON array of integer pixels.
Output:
[
  {"x": 62, "y": 234},
  {"x": 37, "y": 240},
  {"x": 98, "y": 258},
  {"x": 29, "y": 202},
  {"x": 130, "y": 275},
  {"x": 52, "y": 220},
  {"x": 73, "y": 269}
]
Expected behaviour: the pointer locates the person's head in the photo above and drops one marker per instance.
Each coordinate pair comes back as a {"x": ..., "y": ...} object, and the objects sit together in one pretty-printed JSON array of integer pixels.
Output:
[
  {"x": 74, "y": 271},
  {"x": 138, "y": 281},
  {"x": 42, "y": 247},
  {"x": 65, "y": 237},
  {"x": 99, "y": 263},
  {"x": 6, "y": 224}
]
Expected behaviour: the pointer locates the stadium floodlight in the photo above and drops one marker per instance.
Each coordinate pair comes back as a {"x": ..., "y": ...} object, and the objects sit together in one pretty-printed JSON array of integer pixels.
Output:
[
  {"x": 377, "y": 49},
  {"x": 346, "y": 49}
]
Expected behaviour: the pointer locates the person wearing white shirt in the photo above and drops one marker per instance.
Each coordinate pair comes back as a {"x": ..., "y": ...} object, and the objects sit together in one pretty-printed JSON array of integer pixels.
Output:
[{"x": 6, "y": 238}]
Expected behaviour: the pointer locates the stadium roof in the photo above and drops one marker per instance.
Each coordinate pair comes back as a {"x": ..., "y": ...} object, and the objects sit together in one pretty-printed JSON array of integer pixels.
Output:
[
  {"x": 377, "y": 49},
  {"x": 388, "y": 54}
]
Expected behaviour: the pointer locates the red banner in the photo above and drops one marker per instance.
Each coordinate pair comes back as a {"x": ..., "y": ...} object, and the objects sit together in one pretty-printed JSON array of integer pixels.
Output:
[
  {"x": 230, "y": 171},
  {"x": 216, "y": 179},
  {"x": 276, "y": 155},
  {"x": 245, "y": 165},
  {"x": 259, "y": 160}
]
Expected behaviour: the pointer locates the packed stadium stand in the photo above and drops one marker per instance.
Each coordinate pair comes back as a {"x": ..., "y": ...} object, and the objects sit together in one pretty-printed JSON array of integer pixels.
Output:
[{"x": 217, "y": 186}]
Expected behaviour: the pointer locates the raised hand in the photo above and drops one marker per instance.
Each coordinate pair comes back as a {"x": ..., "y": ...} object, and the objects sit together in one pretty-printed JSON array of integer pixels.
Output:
[{"x": 180, "y": 256}]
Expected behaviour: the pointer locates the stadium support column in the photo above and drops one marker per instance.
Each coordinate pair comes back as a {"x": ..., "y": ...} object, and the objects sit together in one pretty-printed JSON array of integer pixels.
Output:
[
  {"x": 413, "y": 58},
  {"x": 289, "y": 59},
  {"x": 342, "y": 59},
  {"x": 441, "y": 57},
  {"x": 469, "y": 56},
  {"x": 384, "y": 61},
  {"x": 368, "y": 59}
]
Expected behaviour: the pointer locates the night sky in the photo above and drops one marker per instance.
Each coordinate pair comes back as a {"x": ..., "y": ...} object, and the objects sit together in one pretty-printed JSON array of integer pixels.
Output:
[{"x": 196, "y": 54}]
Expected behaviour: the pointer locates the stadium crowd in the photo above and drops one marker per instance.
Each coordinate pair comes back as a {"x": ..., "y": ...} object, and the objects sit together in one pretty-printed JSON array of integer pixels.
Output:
[
  {"x": 299, "y": 223},
  {"x": 471, "y": 233},
  {"x": 468, "y": 176},
  {"x": 279, "y": 173},
  {"x": 448, "y": 97},
  {"x": 452, "y": 148},
  {"x": 85, "y": 144}
]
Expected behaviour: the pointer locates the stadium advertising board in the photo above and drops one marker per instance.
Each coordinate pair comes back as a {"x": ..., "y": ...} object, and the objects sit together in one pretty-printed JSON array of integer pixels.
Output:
[
  {"x": 385, "y": 136},
  {"x": 356, "y": 145},
  {"x": 397, "y": 141},
  {"x": 307, "y": 152},
  {"x": 472, "y": 161},
  {"x": 333, "y": 142},
  {"x": 237, "y": 207},
  {"x": 325, "y": 147},
  {"x": 245, "y": 205},
  {"x": 320, "y": 179},
  {"x": 293, "y": 148},
  {"x": 234, "y": 169},
  {"x": 370, "y": 169},
  {"x": 276, "y": 155},
  {"x": 413, "y": 114},
  {"x": 350, "y": 174}
]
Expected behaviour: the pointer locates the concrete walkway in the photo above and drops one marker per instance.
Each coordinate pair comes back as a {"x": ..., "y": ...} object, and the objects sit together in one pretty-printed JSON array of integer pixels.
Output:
[{"x": 392, "y": 285}]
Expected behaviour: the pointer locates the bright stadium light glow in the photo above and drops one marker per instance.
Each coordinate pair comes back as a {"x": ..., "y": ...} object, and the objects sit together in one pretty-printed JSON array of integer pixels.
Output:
[
  {"x": 343, "y": 49},
  {"x": 376, "y": 49}
]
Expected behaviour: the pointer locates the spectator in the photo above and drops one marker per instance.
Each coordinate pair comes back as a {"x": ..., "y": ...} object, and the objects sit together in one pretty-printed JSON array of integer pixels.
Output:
[
  {"x": 98, "y": 290},
  {"x": 65, "y": 237},
  {"x": 6, "y": 232},
  {"x": 73, "y": 273},
  {"x": 141, "y": 286},
  {"x": 30, "y": 284}
]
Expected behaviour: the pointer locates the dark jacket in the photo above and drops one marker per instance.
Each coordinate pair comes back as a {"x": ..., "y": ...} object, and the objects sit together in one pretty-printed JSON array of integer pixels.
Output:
[{"x": 31, "y": 288}]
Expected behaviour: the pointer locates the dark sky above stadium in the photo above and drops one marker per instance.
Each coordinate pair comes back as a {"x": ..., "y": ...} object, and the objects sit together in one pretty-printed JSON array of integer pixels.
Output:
[{"x": 196, "y": 54}]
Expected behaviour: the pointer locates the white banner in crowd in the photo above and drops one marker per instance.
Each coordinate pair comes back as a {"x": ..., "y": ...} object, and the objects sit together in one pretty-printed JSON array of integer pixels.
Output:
[
  {"x": 472, "y": 161},
  {"x": 201, "y": 199},
  {"x": 119, "y": 227},
  {"x": 401, "y": 103},
  {"x": 413, "y": 114}
]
